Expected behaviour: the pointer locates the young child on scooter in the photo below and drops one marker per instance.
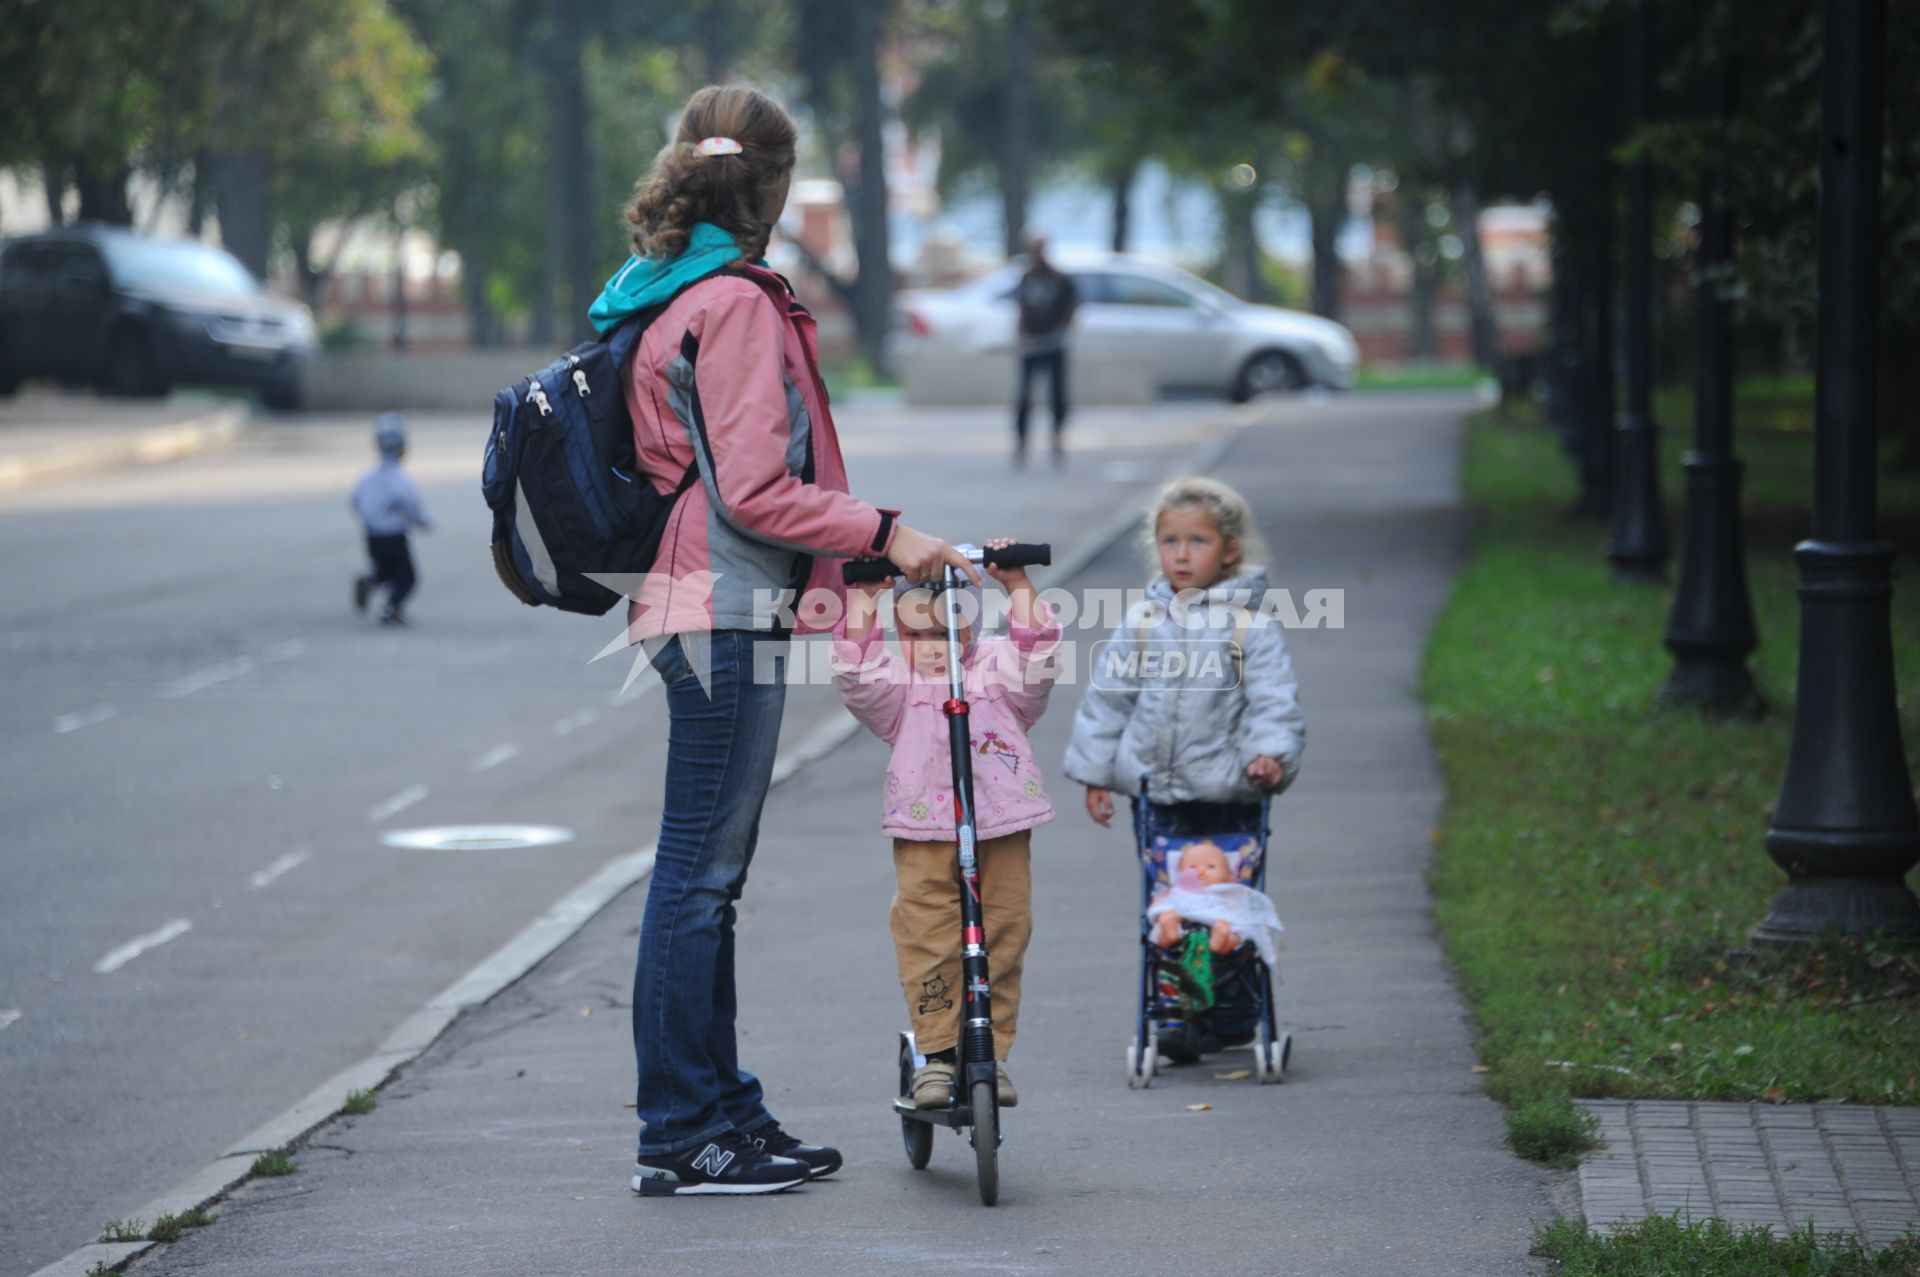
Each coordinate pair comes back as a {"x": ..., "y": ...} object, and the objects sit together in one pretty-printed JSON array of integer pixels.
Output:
[{"x": 899, "y": 696}]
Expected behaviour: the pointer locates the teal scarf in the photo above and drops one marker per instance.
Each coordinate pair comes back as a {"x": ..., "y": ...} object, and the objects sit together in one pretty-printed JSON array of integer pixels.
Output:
[{"x": 648, "y": 281}]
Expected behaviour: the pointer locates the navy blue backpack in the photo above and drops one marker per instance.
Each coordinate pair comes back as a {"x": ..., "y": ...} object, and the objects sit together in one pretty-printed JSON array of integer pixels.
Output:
[{"x": 567, "y": 496}]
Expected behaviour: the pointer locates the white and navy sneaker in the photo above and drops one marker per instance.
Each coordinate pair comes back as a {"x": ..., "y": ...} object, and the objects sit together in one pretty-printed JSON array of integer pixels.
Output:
[
  {"x": 726, "y": 1164},
  {"x": 819, "y": 1160}
]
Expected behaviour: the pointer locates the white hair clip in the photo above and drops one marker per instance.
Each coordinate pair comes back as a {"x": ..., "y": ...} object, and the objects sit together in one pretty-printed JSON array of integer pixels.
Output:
[{"x": 719, "y": 146}]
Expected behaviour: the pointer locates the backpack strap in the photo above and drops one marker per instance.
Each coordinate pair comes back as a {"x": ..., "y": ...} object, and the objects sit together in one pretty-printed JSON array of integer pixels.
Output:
[{"x": 1242, "y": 622}]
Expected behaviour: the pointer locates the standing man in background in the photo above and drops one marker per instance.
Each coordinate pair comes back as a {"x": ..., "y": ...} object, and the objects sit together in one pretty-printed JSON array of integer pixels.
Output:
[{"x": 1047, "y": 301}]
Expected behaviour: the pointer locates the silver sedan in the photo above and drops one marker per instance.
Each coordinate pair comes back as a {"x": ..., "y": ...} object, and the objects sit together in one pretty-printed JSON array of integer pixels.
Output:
[{"x": 1138, "y": 311}]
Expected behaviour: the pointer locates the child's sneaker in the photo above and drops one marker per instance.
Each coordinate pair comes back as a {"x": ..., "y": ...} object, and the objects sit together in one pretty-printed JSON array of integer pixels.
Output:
[
  {"x": 820, "y": 1160},
  {"x": 728, "y": 1163},
  {"x": 1003, "y": 1090},
  {"x": 933, "y": 1085}
]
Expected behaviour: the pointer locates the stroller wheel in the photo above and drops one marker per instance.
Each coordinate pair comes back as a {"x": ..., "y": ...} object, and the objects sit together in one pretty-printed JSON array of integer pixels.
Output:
[
  {"x": 1273, "y": 1059},
  {"x": 1139, "y": 1065}
]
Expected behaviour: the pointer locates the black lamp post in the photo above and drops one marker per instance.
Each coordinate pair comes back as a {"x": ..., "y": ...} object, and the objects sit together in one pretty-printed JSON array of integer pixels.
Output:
[
  {"x": 1595, "y": 372},
  {"x": 1845, "y": 828},
  {"x": 1638, "y": 548},
  {"x": 1710, "y": 630}
]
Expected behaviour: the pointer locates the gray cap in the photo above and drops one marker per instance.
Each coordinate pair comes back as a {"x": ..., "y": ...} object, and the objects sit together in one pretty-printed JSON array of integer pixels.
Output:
[{"x": 390, "y": 433}]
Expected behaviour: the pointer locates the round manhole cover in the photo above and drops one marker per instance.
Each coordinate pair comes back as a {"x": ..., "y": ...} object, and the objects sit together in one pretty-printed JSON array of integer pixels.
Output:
[{"x": 477, "y": 837}]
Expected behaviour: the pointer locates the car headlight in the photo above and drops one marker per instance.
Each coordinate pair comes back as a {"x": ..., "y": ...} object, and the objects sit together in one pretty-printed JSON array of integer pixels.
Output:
[{"x": 300, "y": 327}]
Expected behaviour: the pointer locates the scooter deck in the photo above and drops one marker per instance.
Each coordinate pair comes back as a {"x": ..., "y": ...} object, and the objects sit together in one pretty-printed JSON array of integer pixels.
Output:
[{"x": 957, "y": 1116}]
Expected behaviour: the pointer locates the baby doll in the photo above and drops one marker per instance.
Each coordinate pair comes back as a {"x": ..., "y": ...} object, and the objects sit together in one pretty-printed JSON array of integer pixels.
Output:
[{"x": 1205, "y": 891}]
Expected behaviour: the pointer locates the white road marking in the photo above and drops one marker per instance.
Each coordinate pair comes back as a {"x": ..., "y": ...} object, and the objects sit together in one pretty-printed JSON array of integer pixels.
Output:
[
  {"x": 286, "y": 651},
  {"x": 8, "y": 1016},
  {"x": 493, "y": 758},
  {"x": 199, "y": 680},
  {"x": 397, "y": 804},
  {"x": 140, "y": 944},
  {"x": 574, "y": 722},
  {"x": 286, "y": 864},
  {"x": 84, "y": 718}
]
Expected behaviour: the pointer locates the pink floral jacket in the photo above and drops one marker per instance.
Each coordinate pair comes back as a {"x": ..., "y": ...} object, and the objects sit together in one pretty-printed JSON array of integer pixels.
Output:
[{"x": 1007, "y": 681}]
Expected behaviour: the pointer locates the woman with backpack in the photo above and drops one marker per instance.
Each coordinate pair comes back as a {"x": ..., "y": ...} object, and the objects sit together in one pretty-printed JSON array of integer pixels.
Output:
[{"x": 724, "y": 380}]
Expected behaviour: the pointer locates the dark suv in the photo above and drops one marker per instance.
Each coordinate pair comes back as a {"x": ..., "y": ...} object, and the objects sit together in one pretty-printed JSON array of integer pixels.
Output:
[{"x": 136, "y": 315}]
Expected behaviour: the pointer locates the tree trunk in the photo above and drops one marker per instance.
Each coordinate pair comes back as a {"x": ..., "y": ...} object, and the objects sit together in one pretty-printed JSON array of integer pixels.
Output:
[
  {"x": 1016, "y": 141},
  {"x": 300, "y": 241},
  {"x": 560, "y": 311},
  {"x": 482, "y": 331},
  {"x": 53, "y": 182},
  {"x": 716, "y": 43},
  {"x": 1423, "y": 273},
  {"x": 199, "y": 193},
  {"x": 245, "y": 204},
  {"x": 1327, "y": 207},
  {"x": 1241, "y": 266},
  {"x": 1120, "y": 182},
  {"x": 399, "y": 285},
  {"x": 873, "y": 291},
  {"x": 103, "y": 194},
  {"x": 1483, "y": 325}
]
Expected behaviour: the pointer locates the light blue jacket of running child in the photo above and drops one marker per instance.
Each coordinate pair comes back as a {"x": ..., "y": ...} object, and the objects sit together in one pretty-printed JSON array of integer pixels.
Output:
[{"x": 1191, "y": 734}]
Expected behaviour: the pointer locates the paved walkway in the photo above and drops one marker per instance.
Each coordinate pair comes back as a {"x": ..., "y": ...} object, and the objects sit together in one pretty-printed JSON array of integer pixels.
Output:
[
  {"x": 506, "y": 1148},
  {"x": 1840, "y": 1168},
  {"x": 48, "y": 435}
]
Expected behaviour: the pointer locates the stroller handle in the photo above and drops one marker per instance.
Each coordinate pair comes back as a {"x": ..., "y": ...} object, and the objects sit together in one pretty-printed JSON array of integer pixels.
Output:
[{"x": 1020, "y": 554}]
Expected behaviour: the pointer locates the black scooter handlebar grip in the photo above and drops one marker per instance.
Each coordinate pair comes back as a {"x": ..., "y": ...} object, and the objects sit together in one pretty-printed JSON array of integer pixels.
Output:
[
  {"x": 1021, "y": 554},
  {"x": 857, "y": 571}
]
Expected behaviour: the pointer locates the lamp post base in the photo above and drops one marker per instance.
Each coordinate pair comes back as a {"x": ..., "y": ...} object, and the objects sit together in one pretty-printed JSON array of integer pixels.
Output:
[
  {"x": 1808, "y": 909},
  {"x": 1717, "y": 684}
]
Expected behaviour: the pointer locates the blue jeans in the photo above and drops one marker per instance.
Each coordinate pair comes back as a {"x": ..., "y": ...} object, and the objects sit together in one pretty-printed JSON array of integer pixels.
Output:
[{"x": 720, "y": 752}]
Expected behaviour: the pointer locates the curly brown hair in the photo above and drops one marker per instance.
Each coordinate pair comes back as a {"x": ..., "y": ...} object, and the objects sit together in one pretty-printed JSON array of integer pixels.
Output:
[{"x": 684, "y": 186}]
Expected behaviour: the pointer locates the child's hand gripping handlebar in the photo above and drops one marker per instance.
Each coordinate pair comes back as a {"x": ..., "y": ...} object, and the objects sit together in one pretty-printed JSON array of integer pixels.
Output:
[{"x": 1018, "y": 555}]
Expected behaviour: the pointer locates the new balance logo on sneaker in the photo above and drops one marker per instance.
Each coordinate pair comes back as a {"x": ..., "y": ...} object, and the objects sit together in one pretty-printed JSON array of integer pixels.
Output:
[
  {"x": 713, "y": 1159},
  {"x": 728, "y": 1164}
]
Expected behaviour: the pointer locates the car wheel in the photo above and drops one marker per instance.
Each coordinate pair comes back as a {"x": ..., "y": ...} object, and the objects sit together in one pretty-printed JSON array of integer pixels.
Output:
[
  {"x": 282, "y": 395},
  {"x": 131, "y": 367},
  {"x": 9, "y": 371},
  {"x": 1267, "y": 371}
]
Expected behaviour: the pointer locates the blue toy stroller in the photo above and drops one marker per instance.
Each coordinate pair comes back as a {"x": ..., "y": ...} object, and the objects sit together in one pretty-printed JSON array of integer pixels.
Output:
[{"x": 1176, "y": 1018}]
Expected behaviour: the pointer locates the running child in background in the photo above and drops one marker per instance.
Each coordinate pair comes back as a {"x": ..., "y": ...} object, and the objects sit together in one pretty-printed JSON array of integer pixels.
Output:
[{"x": 389, "y": 508}]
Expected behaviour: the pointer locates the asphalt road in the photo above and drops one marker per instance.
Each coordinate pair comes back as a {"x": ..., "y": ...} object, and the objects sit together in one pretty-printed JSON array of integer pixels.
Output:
[{"x": 203, "y": 746}]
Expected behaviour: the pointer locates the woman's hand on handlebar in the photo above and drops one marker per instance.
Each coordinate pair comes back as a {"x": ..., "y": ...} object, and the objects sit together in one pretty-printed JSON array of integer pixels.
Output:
[{"x": 920, "y": 557}]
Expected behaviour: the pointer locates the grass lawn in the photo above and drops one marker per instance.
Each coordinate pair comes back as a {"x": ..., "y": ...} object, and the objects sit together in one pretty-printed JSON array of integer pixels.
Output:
[
  {"x": 1601, "y": 859},
  {"x": 1711, "y": 1248}
]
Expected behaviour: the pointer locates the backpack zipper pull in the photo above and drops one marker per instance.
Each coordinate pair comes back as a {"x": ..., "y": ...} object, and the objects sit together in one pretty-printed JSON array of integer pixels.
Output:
[
  {"x": 580, "y": 383},
  {"x": 538, "y": 394}
]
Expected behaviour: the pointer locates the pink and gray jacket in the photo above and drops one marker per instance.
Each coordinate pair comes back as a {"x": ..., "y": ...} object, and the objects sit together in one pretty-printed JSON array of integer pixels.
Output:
[
  {"x": 1007, "y": 681},
  {"x": 727, "y": 378}
]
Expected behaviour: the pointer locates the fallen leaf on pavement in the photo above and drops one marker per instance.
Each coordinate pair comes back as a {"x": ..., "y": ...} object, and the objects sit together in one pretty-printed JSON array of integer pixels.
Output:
[
  {"x": 1234, "y": 1076},
  {"x": 1199, "y": 1108},
  {"x": 1481, "y": 1068}
]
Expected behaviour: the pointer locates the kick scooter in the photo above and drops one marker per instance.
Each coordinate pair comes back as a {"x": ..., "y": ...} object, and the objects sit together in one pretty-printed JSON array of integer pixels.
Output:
[{"x": 974, "y": 1107}]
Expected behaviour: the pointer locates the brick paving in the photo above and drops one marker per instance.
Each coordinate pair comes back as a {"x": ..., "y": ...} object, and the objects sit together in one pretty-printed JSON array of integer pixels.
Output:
[{"x": 1841, "y": 1168}]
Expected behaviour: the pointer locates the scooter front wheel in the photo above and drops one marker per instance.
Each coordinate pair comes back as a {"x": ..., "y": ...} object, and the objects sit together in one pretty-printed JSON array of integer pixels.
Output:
[{"x": 986, "y": 1141}]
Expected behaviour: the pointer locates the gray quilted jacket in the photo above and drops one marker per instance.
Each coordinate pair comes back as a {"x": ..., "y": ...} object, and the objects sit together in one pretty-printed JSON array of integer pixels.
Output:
[{"x": 1192, "y": 742}]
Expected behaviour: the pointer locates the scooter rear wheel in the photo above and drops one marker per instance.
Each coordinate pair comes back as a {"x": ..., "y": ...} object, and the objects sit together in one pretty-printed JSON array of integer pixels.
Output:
[{"x": 986, "y": 1142}]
